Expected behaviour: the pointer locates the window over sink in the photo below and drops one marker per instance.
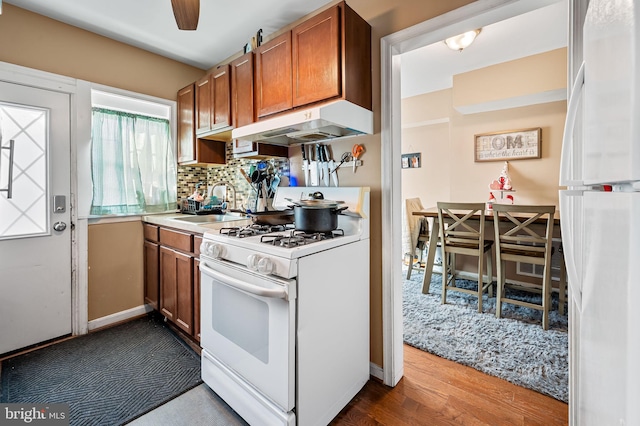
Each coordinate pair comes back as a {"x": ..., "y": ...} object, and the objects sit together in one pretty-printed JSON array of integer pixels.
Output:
[{"x": 133, "y": 160}]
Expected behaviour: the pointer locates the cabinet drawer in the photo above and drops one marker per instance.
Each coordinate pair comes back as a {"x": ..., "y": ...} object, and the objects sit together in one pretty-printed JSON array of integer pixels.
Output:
[
  {"x": 176, "y": 239},
  {"x": 151, "y": 232}
]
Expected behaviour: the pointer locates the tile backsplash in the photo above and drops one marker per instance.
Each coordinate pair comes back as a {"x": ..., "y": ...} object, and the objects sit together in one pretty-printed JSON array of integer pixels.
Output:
[{"x": 189, "y": 176}]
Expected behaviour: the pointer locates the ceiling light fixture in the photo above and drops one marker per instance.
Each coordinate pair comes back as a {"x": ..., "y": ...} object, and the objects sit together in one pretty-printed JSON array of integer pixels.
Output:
[{"x": 462, "y": 41}]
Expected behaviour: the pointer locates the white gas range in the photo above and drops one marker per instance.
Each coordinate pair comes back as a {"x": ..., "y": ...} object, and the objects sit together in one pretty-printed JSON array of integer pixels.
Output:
[{"x": 285, "y": 316}]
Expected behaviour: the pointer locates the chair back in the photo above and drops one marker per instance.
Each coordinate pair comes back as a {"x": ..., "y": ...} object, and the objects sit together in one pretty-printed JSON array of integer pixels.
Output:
[
  {"x": 523, "y": 230},
  {"x": 458, "y": 231}
]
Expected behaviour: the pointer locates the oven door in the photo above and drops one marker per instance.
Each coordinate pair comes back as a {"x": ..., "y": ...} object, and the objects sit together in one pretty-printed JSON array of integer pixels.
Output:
[{"x": 248, "y": 324}]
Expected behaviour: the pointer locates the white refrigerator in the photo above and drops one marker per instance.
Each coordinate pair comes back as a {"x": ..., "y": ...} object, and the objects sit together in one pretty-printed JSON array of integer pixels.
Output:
[{"x": 600, "y": 217}]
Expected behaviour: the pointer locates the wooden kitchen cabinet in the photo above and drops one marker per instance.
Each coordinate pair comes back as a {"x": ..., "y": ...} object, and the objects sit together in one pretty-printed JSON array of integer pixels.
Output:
[
  {"x": 151, "y": 265},
  {"x": 273, "y": 76},
  {"x": 192, "y": 149},
  {"x": 186, "y": 129},
  {"x": 242, "y": 94},
  {"x": 222, "y": 113},
  {"x": 315, "y": 47},
  {"x": 213, "y": 102},
  {"x": 332, "y": 58},
  {"x": 327, "y": 57},
  {"x": 204, "y": 104},
  {"x": 151, "y": 276},
  {"x": 172, "y": 268},
  {"x": 176, "y": 287}
]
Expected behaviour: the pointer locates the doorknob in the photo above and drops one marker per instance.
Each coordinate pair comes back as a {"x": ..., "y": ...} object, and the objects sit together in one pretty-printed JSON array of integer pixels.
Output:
[{"x": 59, "y": 226}]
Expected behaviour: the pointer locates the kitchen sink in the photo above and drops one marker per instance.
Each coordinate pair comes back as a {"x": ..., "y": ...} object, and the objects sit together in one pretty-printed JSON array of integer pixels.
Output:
[{"x": 210, "y": 218}]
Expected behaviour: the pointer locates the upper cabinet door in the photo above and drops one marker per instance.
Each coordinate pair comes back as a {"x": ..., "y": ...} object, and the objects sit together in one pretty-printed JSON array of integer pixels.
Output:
[
  {"x": 204, "y": 99},
  {"x": 273, "y": 76},
  {"x": 242, "y": 90},
  {"x": 221, "y": 97},
  {"x": 186, "y": 129},
  {"x": 316, "y": 54}
]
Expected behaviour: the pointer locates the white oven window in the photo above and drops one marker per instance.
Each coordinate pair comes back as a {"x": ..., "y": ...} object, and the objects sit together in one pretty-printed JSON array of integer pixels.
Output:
[{"x": 242, "y": 319}]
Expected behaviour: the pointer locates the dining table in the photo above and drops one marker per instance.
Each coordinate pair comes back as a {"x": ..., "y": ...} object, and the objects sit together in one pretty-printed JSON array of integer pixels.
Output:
[{"x": 434, "y": 236}]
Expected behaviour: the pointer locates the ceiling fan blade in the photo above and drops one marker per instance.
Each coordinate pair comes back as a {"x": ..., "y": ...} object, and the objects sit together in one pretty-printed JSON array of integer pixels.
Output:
[{"x": 187, "y": 13}]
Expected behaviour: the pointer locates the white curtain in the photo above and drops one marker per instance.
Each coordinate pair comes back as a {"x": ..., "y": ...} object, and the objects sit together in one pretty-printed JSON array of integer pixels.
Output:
[{"x": 133, "y": 164}]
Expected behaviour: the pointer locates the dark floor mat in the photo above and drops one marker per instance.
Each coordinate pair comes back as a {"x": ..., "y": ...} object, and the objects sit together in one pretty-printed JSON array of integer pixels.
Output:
[{"x": 108, "y": 377}]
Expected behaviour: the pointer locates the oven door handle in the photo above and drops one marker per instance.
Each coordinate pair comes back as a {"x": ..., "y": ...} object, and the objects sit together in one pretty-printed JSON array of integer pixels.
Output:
[{"x": 280, "y": 293}]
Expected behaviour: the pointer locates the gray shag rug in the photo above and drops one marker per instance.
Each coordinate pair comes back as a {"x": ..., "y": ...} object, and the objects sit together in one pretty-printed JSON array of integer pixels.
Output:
[{"x": 514, "y": 347}]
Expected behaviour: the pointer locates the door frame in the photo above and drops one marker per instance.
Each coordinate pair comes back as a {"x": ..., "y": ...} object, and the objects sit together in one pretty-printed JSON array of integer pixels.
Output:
[
  {"x": 80, "y": 135},
  {"x": 474, "y": 15}
]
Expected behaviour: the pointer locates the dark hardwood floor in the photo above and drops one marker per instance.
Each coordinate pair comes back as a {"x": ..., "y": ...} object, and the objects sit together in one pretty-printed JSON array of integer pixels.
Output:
[{"x": 436, "y": 391}]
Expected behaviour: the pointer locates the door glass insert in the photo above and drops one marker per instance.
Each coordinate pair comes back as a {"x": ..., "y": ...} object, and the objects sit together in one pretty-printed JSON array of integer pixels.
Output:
[{"x": 25, "y": 214}]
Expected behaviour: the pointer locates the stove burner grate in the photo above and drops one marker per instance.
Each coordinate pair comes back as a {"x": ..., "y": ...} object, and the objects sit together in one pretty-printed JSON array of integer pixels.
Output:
[
  {"x": 252, "y": 230},
  {"x": 299, "y": 238}
]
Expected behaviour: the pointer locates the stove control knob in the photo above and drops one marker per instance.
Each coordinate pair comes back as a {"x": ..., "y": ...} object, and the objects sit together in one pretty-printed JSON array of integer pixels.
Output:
[
  {"x": 252, "y": 262},
  {"x": 262, "y": 265},
  {"x": 265, "y": 266},
  {"x": 216, "y": 251},
  {"x": 211, "y": 249}
]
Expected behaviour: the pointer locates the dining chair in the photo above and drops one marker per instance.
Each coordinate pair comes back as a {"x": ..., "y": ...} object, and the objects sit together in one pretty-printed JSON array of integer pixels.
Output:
[
  {"x": 524, "y": 234},
  {"x": 462, "y": 232},
  {"x": 418, "y": 229}
]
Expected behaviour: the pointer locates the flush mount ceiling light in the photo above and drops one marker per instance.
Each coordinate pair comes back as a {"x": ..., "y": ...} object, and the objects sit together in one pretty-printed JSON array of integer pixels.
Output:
[{"x": 462, "y": 41}]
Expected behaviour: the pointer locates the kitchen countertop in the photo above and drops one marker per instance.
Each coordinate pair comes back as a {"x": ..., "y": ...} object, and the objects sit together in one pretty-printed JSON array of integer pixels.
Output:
[{"x": 172, "y": 220}]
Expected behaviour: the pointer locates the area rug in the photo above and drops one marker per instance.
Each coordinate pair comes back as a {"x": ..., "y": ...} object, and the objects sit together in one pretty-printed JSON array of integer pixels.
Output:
[
  {"x": 108, "y": 377},
  {"x": 514, "y": 348}
]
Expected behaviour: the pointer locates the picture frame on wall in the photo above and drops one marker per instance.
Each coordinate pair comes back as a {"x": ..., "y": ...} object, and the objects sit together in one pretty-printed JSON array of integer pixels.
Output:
[
  {"x": 509, "y": 145},
  {"x": 411, "y": 161}
]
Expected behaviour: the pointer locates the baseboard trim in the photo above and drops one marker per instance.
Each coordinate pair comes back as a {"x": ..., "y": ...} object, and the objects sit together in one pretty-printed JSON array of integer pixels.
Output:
[
  {"x": 376, "y": 371},
  {"x": 119, "y": 317}
]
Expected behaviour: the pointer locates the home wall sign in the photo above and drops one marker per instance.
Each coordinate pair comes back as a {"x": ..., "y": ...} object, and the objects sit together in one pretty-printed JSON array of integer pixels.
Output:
[{"x": 508, "y": 145}]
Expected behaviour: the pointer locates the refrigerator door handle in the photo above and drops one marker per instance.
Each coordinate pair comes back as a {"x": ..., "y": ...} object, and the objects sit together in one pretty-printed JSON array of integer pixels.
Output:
[
  {"x": 567, "y": 218},
  {"x": 568, "y": 142}
]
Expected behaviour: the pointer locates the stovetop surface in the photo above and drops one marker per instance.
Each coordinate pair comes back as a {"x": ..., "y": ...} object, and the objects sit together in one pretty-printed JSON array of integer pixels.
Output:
[{"x": 283, "y": 241}]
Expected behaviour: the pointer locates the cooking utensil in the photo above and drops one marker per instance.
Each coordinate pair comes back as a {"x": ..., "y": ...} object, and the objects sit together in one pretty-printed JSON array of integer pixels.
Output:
[
  {"x": 313, "y": 169},
  {"x": 325, "y": 164},
  {"x": 246, "y": 176},
  {"x": 272, "y": 217},
  {"x": 305, "y": 165},
  {"x": 316, "y": 219},
  {"x": 331, "y": 166},
  {"x": 356, "y": 151}
]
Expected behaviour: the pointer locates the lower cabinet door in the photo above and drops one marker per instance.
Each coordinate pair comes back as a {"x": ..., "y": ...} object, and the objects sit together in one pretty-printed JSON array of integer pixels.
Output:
[
  {"x": 176, "y": 283},
  {"x": 151, "y": 276}
]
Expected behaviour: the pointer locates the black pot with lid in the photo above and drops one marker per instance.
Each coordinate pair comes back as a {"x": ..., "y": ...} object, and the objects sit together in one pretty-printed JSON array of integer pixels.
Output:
[{"x": 316, "y": 214}]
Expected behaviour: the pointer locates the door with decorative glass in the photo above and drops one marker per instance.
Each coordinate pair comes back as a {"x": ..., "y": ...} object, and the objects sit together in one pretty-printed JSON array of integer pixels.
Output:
[{"x": 35, "y": 231}]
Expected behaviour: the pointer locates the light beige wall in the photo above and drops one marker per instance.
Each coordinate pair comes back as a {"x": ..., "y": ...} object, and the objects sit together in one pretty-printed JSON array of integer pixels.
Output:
[
  {"x": 34, "y": 41},
  {"x": 449, "y": 172},
  {"x": 534, "y": 74},
  {"x": 116, "y": 268}
]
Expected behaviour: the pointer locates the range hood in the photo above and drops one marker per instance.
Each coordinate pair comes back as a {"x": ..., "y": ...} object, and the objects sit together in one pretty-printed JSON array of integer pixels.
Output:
[{"x": 328, "y": 121}]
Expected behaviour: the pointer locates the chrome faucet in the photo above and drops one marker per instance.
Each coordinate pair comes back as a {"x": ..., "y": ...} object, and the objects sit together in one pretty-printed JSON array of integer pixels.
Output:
[{"x": 228, "y": 185}]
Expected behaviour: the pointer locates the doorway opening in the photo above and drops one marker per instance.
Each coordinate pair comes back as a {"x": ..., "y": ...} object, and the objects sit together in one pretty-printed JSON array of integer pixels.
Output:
[{"x": 394, "y": 48}]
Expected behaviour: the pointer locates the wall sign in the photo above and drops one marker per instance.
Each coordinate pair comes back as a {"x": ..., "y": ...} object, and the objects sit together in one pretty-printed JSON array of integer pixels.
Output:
[
  {"x": 508, "y": 145},
  {"x": 411, "y": 161}
]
